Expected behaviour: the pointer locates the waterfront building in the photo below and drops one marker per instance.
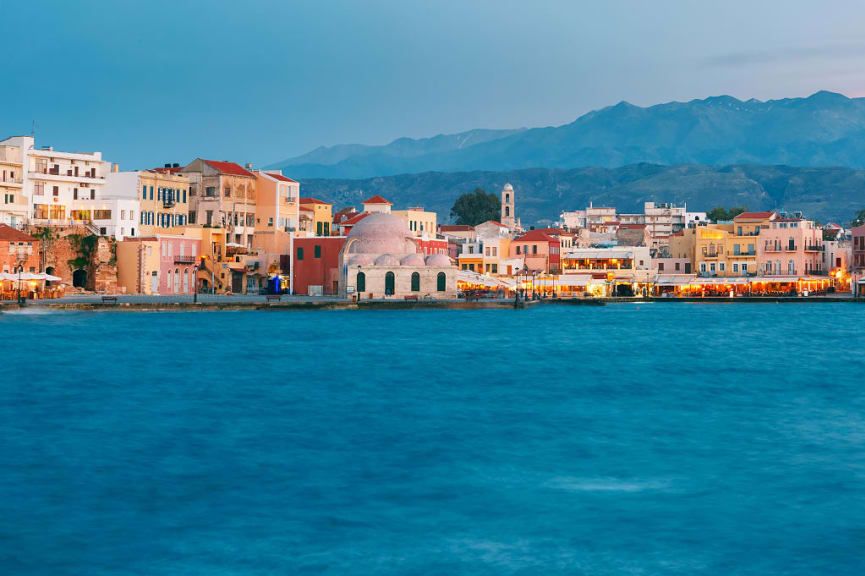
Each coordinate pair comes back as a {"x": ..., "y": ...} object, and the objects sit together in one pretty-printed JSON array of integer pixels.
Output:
[
  {"x": 457, "y": 231},
  {"x": 315, "y": 270},
  {"x": 157, "y": 265},
  {"x": 420, "y": 222},
  {"x": 161, "y": 202},
  {"x": 538, "y": 251},
  {"x": 222, "y": 194},
  {"x": 857, "y": 241},
  {"x": 485, "y": 252},
  {"x": 315, "y": 217},
  {"x": 14, "y": 205},
  {"x": 55, "y": 184},
  {"x": 380, "y": 259},
  {"x": 790, "y": 246},
  {"x": 277, "y": 217},
  {"x": 18, "y": 249},
  {"x": 609, "y": 271}
]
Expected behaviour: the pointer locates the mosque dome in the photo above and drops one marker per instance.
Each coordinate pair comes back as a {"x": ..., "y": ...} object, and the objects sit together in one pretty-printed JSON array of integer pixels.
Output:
[
  {"x": 387, "y": 260},
  {"x": 380, "y": 233},
  {"x": 438, "y": 260},
  {"x": 361, "y": 260},
  {"x": 412, "y": 260}
]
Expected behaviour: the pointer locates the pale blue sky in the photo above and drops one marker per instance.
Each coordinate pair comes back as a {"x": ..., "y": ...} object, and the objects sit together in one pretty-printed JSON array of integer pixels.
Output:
[{"x": 148, "y": 82}]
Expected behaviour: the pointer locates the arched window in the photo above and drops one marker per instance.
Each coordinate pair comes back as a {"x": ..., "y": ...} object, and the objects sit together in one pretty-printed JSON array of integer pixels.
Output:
[
  {"x": 441, "y": 281},
  {"x": 507, "y": 210},
  {"x": 389, "y": 284},
  {"x": 361, "y": 282},
  {"x": 176, "y": 280},
  {"x": 186, "y": 280},
  {"x": 415, "y": 282},
  {"x": 508, "y": 198},
  {"x": 168, "y": 283}
]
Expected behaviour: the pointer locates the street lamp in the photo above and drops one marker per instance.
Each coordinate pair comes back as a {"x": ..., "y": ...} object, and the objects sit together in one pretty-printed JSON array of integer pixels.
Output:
[{"x": 195, "y": 284}]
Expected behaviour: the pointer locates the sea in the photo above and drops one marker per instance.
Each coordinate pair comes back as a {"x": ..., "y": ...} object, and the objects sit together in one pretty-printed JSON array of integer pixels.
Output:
[{"x": 627, "y": 439}]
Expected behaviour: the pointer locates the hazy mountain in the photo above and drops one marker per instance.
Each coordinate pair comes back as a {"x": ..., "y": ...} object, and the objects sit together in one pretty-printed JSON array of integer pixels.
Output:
[
  {"x": 825, "y": 129},
  {"x": 401, "y": 155},
  {"x": 821, "y": 193}
]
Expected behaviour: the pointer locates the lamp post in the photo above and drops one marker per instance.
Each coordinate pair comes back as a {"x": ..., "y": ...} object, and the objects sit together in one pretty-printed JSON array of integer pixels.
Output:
[
  {"x": 195, "y": 284},
  {"x": 21, "y": 301}
]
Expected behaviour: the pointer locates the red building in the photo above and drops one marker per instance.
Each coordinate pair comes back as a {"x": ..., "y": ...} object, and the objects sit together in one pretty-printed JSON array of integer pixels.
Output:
[
  {"x": 315, "y": 269},
  {"x": 432, "y": 246}
]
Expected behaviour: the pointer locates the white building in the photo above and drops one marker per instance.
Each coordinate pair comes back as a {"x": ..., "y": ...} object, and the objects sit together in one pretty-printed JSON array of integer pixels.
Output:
[{"x": 14, "y": 203}]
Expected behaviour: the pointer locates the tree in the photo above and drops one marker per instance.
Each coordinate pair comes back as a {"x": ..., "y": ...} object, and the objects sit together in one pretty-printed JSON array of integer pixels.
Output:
[
  {"x": 859, "y": 220},
  {"x": 472, "y": 208},
  {"x": 719, "y": 213}
]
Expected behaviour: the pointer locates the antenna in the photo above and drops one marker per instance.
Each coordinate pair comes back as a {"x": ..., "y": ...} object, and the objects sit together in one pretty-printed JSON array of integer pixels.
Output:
[{"x": 33, "y": 129}]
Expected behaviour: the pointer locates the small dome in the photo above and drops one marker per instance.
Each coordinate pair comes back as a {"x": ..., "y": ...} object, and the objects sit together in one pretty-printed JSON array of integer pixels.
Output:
[
  {"x": 380, "y": 233},
  {"x": 360, "y": 260},
  {"x": 509, "y": 187},
  {"x": 387, "y": 260},
  {"x": 438, "y": 260},
  {"x": 412, "y": 260}
]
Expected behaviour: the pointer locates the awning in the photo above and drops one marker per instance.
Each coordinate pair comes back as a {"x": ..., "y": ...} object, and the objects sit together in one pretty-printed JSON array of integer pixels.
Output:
[{"x": 674, "y": 279}]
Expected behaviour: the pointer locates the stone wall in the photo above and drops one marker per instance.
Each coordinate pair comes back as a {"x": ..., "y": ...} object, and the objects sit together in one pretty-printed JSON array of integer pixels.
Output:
[{"x": 101, "y": 271}]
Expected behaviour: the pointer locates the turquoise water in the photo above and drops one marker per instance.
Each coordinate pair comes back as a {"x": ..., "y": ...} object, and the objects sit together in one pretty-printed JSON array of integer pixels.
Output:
[{"x": 627, "y": 439}]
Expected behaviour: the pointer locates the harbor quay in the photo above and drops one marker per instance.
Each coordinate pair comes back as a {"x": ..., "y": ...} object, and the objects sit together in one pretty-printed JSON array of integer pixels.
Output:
[{"x": 77, "y": 229}]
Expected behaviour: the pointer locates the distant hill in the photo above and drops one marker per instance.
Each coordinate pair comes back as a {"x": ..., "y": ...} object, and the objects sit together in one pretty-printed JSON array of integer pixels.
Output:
[
  {"x": 824, "y": 194},
  {"x": 825, "y": 129}
]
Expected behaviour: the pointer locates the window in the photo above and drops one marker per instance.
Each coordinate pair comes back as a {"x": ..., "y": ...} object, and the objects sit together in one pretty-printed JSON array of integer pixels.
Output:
[
  {"x": 660, "y": 266},
  {"x": 151, "y": 192},
  {"x": 735, "y": 267},
  {"x": 534, "y": 248},
  {"x": 441, "y": 282},
  {"x": 361, "y": 282},
  {"x": 721, "y": 266},
  {"x": 389, "y": 284},
  {"x": 495, "y": 268},
  {"x": 791, "y": 267},
  {"x": 184, "y": 195},
  {"x": 415, "y": 282},
  {"x": 677, "y": 266},
  {"x": 56, "y": 191},
  {"x": 744, "y": 267},
  {"x": 317, "y": 251},
  {"x": 144, "y": 192},
  {"x": 227, "y": 191},
  {"x": 702, "y": 266},
  {"x": 270, "y": 221},
  {"x": 300, "y": 252}
]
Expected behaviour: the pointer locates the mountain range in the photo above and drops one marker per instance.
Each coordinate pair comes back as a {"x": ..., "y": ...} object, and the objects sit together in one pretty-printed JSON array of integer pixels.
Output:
[
  {"x": 824, "y": 194},
  {"x": 824, "y": 129}
]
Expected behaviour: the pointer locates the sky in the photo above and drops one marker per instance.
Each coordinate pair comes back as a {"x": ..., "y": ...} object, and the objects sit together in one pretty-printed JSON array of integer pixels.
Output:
[{"x": 149, "y": 82}]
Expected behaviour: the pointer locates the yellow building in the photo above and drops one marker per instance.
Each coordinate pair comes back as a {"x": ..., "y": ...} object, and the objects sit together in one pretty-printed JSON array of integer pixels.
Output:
[
  {"x": 163, "y": 197},
  {"x": 418, "y": 220},
  {"x": 722, "y": 249},
  {"x": 316, "y": 216}
]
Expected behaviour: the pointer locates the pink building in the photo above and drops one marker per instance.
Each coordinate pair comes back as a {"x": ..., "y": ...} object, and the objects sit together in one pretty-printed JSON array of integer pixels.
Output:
[
  {"x": 790, "y": 247},
  {"x": 158, "y": 264}
]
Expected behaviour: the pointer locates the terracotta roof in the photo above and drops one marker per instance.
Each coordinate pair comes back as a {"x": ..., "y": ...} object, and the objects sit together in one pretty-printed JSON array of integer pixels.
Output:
[
  {"x": 167, "y": 170},
  {"x": 355, "y": 219},
  {"x": 494, "y": 222},
  {"x": 456, "y": 228},
  {"x": 535, "y": 236},
  {"x": 343, "y": 214},
  {"x": 555, "y": 231},
  {"x": 10, "y": 234},
  {"x": 754, "y": 215},
  {"x": 377, "y": 199},
  {"x": 229, "y": 168},
  {"x": 313, "y": 201},
  {"x": 833, "y": 225},
  {"x": 280, "y": 177}
]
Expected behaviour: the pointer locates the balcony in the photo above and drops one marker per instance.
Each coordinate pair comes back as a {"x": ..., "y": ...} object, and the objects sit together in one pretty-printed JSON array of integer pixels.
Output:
[
  {"x": 789, "y": 248},
  {"x": 814, "y": 248},
  {"x": 712, "y": 254},
  {"x": 744, "y": 254},
  {"x": 772, "y": 248},
  {"x": 168, "y": 203},
  {"x": 184, "y": 259}
]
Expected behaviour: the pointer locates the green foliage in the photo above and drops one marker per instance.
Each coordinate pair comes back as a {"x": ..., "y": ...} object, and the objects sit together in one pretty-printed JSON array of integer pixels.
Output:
[
  {"x": 473, "y": 208},
  {"x": 84, "y": 246},
  {"x": 719, "y": 213},
  {"x": 859, "y": 219}
]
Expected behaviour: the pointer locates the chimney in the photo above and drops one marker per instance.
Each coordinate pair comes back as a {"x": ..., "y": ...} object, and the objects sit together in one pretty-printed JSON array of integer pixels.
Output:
[
  {"x": 167, "y": 165},
  {"x": 115, "y": 167},
  {"x": 175, "y": 165}
]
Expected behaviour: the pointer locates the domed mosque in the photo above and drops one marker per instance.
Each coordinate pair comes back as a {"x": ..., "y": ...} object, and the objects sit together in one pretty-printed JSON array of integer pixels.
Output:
[{"x": 380, "y": 259}]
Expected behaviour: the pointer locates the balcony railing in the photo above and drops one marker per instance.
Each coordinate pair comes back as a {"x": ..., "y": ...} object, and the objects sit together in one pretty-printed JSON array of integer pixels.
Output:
[
  {"x": 184, "y": 259},
  {"x": 814, "y": 248},
  {"x": 745, "y": 253},
  {"x": 772, "y": 248},
  {"x": 789, "y": 248}
]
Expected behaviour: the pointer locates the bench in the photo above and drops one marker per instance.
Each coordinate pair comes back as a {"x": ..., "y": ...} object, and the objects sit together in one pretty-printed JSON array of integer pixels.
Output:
[
  {"x": 273, "y": 297},
  {"x": 412, "y": 297},
  {"x": 109, "y": 299}
]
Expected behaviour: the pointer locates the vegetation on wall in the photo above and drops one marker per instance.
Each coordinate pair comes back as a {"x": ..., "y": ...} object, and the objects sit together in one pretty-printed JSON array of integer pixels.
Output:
[{"x": 84, "y": 246}]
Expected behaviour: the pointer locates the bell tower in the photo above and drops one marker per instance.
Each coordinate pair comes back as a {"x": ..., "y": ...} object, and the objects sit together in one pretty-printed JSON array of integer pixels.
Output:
[{"x": 508, "y": 206}]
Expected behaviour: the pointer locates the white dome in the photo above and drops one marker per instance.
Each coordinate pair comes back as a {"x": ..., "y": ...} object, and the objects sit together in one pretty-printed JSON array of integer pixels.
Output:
[
  {"x": 380, "y": 233},
  {"x": 412, "y": 260},
  {"x": 438, "y": 260},
  {"x": 387, "y": 260},
  {"x": 509, "y": 187}
]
